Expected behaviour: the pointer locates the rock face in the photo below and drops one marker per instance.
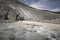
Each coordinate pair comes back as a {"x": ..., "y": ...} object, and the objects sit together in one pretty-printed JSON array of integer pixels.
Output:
[{"x": 7, "y": 14}]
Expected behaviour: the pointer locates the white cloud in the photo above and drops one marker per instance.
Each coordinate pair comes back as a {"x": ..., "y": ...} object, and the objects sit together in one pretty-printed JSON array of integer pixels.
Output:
[
  {"x": 43, "y": 7},
  {"x": 55, "y": 10},
  {"x": 43, "y": 4},
  {"x": 35, "y": 6},
  {"x": 38, "y": 6}
]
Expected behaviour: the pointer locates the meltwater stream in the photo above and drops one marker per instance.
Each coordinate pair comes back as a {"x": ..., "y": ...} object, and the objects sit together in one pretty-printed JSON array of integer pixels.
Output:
[{"x": 26, "y": 32}]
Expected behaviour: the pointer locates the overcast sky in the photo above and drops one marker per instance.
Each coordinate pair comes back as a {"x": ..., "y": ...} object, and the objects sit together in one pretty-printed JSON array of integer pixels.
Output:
[{"x": 53, "y": 5}]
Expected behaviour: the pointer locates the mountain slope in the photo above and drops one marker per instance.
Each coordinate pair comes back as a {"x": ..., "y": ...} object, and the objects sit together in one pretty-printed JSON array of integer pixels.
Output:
[
  {"x": 13, "y": 10},
  {"x": 38, "y": 15}
]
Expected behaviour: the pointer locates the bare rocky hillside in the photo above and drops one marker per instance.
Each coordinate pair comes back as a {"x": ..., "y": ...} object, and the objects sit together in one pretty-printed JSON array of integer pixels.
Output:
[{"x": 12, "y": 11}]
